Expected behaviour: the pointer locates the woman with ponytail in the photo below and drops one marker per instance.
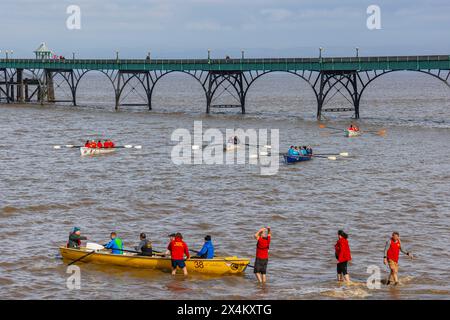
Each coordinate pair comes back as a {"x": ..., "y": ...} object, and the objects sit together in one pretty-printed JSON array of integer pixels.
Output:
[{"x": 343, "y": 256}]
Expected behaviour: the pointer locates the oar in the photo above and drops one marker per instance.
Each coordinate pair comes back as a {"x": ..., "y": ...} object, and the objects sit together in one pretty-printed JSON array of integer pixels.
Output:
[
  {"x": 381, "y": 132},
  {"x": 93, "y": 251},
  {"x": 66, "y": 146},
  {"x": 322, "y": 126},
  {"x": 343, "y": 154},
  {"x": 129, "y": 146}
]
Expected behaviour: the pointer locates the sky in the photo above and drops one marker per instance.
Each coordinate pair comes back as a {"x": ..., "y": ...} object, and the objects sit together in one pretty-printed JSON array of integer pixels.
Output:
[{"x": 188, "y": 28}]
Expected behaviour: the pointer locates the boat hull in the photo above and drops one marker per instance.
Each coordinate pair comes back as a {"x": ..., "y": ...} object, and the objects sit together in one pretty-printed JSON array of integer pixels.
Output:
[
  {"x": 216, "y": 266},
  {"x": 352, "y": 133},
  {"x": 294, "y": 159},
  {"x": 95, "y": 151}
]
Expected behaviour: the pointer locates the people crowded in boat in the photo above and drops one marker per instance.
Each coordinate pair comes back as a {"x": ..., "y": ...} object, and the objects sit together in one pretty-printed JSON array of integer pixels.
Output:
[
  {"x": 296, "y": 151},
  {"x": 353, "y": 128},
  {"x": 99, "y": 144}
]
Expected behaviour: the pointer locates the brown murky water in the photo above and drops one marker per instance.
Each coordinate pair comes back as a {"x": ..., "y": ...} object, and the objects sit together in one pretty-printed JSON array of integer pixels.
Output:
[{"x": 397, "y": 182}]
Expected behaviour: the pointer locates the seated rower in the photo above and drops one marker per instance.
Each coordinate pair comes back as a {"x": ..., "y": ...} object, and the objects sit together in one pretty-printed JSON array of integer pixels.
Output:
[
  {"x": 99, "y": 144},
  {"x": 75, "y": 238},
  {"x": 93, "y": 144},
  {"x": 87, "y": 144},
  {"x": 309, "y": 150},
  {"x": 296, "y": 152},
  {"x": 351, "y": 128},
  {"x": 303, "y": 151},
  {"x": 111, "y": 144},
  {"x": 207, "y": 251},
  {"x": 107, "y": 144},
  {"x": 290, "y": 150},
  {"x": 145, "y": 246},
  {"x": 116, "y": 244}
]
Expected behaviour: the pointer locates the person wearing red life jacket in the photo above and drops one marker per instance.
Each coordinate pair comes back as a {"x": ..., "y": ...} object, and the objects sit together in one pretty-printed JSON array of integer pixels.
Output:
[
  {"x": 262, "y": 237},
  {"x": 391, "y": 256},
  {"x": 343, "y": 256},
  {"x": 112, "y": 145},
  {"x": 87, "y": 144},
  {"x": 107, "y": 144},
  {"x": 99, "y": 144},
  {"x": 93, "y": 144},
  {"x": 178, "y": 249}
]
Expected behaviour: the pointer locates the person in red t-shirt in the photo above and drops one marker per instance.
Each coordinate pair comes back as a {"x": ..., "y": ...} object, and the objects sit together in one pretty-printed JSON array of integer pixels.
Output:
[
  {"x": 178, "y": 249},
  {"x": 391, "y": 255},
  {"x": 343, "y": 256},
  {"x": 262, "y": 253}
]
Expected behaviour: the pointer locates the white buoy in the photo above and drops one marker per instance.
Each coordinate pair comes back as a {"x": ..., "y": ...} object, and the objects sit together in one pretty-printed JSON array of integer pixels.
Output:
[
  {"x": 344, "y": 154},
  {"x": 332, "y": 158},
  {"x": 56, "y": 147}
]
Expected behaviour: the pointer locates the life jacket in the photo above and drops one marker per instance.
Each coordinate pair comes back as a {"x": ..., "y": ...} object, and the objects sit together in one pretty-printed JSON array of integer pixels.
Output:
[
  {"x": 393, "y": 252},
  {"x": 147, "y": 249},
  {"x": 99, "y": 144}
]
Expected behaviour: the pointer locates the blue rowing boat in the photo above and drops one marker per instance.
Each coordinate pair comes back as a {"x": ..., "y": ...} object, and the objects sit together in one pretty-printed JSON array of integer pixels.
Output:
[{"x": 294, "y": 159}]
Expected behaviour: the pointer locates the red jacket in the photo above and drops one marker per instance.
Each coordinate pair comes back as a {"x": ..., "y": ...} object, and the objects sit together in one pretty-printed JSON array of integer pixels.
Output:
[
  {"x": 342, "y": 250},
  {"x": 178, "y": 249}
]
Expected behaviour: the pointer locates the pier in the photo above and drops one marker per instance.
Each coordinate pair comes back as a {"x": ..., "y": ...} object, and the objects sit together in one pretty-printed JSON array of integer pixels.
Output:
[{"x": 326, "y": 76}]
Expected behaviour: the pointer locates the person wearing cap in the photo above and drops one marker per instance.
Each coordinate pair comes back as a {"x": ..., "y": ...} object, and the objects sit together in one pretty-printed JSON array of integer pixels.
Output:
[
  {"x": 171, "y": 238},
  {"x": 207, "y": 251},
  {"x": 178, "y": 249},
  {"x": 75, "y": 238},
  {"x": 145, "y": 246},
  {"x": 116, "y": 244}
]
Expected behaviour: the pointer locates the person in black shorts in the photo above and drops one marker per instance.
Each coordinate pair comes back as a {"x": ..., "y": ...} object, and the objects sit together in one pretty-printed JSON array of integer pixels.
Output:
[{"x": 262, "y": 253}]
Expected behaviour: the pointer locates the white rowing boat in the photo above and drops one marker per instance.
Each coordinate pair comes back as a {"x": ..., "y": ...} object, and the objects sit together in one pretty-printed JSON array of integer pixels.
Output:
[
  {"x": 95, "y": 151},
  {"x": 352, "y": 133}
]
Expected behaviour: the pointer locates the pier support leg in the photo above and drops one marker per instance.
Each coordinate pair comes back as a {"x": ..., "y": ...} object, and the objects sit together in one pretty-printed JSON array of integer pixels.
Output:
[
  {"x": 20, "y": 86},
  {"x": 320, "y": 96},
  {"x": 231, "y": 82},
  {"x": 50, "y": 86}
]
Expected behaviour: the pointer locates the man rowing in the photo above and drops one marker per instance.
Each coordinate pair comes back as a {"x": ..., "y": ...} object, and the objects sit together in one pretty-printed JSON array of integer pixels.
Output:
[
  {"x": 87, "y": 144},
  {"x": 116, "y": 244},
  {"x": 108, "y": 144},
  {"x": 353, "y": 128},
  {"x": 178, "y": 249},
  {"x": 145, "y": 246},
  {"x": 75, "y": 238},
  {"x": 391, "y": 255},
  {"x": 207, "y": 251},
  {"x": 99, "y": 144},
  {"x": 262, "y": 253}
]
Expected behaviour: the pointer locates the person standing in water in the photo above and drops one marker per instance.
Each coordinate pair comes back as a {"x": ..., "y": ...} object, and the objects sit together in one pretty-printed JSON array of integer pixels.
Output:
[
  {"x": 263, "y": 237},
  {"x": 392, "y": 251},
  {"x": 343, "y": 256}
]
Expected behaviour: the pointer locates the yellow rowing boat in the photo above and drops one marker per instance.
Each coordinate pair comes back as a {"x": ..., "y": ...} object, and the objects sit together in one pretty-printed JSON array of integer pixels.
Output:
[{"x": 216, "y": 266}]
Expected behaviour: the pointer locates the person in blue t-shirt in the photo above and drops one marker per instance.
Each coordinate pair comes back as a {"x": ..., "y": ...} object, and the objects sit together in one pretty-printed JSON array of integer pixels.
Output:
[{"x": 207, "y": 251}]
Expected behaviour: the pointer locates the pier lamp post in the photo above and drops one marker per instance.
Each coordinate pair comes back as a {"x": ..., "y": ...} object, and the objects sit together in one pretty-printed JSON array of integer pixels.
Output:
[
  {"x": 357, "y": 52},
  {"x": 320, "y": 52},
  {"x": 242, "y": 54},
  {"x": 209, "y": 54},
  {"x": 73, "y": 55},
  {"x": 148, "y": 55},
  {"x": 117, "y": 55},
  {"x": 0, "y": 52}
]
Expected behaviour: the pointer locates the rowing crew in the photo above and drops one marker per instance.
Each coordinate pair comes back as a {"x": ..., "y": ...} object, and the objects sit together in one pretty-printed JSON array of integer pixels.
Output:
[
  {"x": 177, "y": 248},
  {"x": 296, "y": 151},
  {"x": 353, "y": 128},
  {"x": 99, "y": 144}
]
